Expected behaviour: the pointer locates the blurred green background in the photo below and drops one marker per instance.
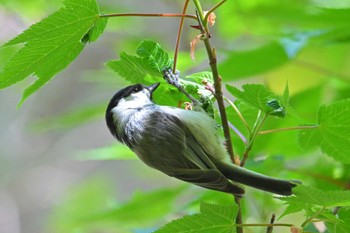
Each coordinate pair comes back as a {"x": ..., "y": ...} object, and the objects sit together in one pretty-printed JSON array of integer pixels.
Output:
[{"x": 48, "y": 181}]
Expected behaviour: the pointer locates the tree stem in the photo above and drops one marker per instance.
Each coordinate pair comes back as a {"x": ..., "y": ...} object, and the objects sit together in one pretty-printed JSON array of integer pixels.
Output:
[{"x": 239, "y": 220}]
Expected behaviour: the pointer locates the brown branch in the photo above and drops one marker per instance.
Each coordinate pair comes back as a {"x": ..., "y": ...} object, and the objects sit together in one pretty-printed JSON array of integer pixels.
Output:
[
  {"x": 151, "y": 15},
  {"x": 270, "y": 228},
  {"x": 178, "y": 37},
  {"x": 219, "y": 96},
  {"x": 239, "y": 219}
]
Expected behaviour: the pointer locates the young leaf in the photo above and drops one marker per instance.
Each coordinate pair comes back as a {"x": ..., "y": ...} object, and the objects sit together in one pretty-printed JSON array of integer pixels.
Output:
[
  {"x": 319, "y": 197},
  {"x": 333, "y": 133},
  {"x": 147, "y": 68},
  {"x": 260, "y": 97},
  {"x": 212, "y": 219},
  {"x": 51, "y": 44},
  {"x": 152, "y": 53},
  {"x": 144, "y": 68}
]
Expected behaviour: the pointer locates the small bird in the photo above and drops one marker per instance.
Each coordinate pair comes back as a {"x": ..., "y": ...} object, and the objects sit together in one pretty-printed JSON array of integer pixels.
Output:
[{"x": 181, "y": 143}]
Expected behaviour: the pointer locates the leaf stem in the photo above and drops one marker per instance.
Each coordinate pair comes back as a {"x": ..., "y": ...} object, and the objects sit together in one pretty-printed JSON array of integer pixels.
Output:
[
  {"x": 178, "y": 37},
  {"x": 312, "y": 217},
  {"x": 257, "y": 126},
  {"x": 150, "y": 15},
  {"x": 289, "y": 128},
  {"x": 211, "y": 10},
  {"x": 238, "y": 113}
]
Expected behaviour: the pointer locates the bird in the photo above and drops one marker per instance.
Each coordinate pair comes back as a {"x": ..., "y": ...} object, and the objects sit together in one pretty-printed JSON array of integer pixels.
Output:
[{"x": 181, "y": 143}]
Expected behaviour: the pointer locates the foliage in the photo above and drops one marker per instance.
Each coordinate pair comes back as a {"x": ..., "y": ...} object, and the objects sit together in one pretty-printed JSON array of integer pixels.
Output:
[
  {"x": 295, "y": 125},
  {"x": 51, "y": 44}
]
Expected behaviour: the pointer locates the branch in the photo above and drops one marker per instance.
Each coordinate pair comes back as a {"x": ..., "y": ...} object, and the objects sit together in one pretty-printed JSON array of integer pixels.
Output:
[
  {"x": 179, "y": 35},
  {"x": 256, "y": 129},
  {"x": 270, "y": 228},
  {"x": 151, "y": 15},
  {"x": 213, "y": 9}
]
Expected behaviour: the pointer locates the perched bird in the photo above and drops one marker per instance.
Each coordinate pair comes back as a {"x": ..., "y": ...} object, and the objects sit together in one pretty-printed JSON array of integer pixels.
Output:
[{"x": 180, "y": 143}]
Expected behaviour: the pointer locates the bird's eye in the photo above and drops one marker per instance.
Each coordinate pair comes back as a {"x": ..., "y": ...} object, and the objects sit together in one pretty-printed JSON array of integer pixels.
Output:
[{"x": 137, "y": 89}]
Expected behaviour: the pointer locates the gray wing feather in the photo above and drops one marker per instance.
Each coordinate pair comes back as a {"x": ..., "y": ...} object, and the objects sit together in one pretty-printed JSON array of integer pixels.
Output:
[{"x": 183, "y": 157}]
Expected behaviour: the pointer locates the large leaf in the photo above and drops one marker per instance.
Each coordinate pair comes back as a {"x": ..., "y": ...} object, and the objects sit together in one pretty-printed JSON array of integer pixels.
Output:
[
  {"x": 260, "y": 97},
  {"x": 342, "y": 226},
  {"x": 144, "y": 68},
  {"x": 51, "y": 44},
  {"x": 142, "y": 209},
  {"x": 92, "y": 207},
  {"x": 212, "y": 219},
  {"x": 251, "y": 62},
  {"x": 333, "y": 133},
  {"x": 147, "y": 66},
  {"x": 308, "y": 195}
]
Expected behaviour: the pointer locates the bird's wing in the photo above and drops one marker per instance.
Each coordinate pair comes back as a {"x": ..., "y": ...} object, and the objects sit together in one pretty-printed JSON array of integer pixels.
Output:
[{"x": 183, "y": 157}]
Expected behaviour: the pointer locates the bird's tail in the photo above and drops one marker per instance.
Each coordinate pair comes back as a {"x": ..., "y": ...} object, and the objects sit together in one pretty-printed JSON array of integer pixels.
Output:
[{"x": 257, "y": 180}]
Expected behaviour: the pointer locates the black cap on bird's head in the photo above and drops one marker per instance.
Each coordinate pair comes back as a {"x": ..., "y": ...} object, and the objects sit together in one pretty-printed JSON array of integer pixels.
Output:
[
  {"x": 123, "y": 94},
  {"x": 127, "y": 91}
]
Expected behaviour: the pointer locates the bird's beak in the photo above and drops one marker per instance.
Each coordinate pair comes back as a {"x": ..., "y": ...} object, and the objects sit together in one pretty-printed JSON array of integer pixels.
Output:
[{"x": 153, "y": 87}]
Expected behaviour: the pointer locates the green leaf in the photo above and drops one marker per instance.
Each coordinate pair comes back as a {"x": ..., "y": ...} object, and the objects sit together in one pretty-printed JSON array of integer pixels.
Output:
[
  {"x": 256, "y": 61},
  {"x": 81, "y": 201},
  {"x": 333, "y": 133},
  {"x": 319, "y": 197},
  {"x": 147, "y": 68},
  {"x": 95, "y": 32},
  {"x": 260, "y": 97},
  {"x": 212, "y": 219},
  {"x": 142, "y": 209},
  {"x": 144, "y": 68},
  {"x": 51, "y": 44},
  {"x": 115, "y": 152},
  {"x": 154, "y": 56},
  {"x": 294, "y": 207},
  {"x": 69, "y": 119},
  {"x": 342, "y": 226}
]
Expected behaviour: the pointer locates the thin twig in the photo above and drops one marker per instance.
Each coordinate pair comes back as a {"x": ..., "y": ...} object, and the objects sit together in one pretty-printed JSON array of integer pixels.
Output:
[
  {"x": 150, "y": 15},
  {"x": 312, "y": 217},
  {"x": 178, "y": 37},
  {"x": 213, "y": 9},
  {"x": 256, "y": 129},
  {"x": 270, "y": 228},
  {"x": 288, "y": 128},
  {"x": 239, "y": 220}
]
